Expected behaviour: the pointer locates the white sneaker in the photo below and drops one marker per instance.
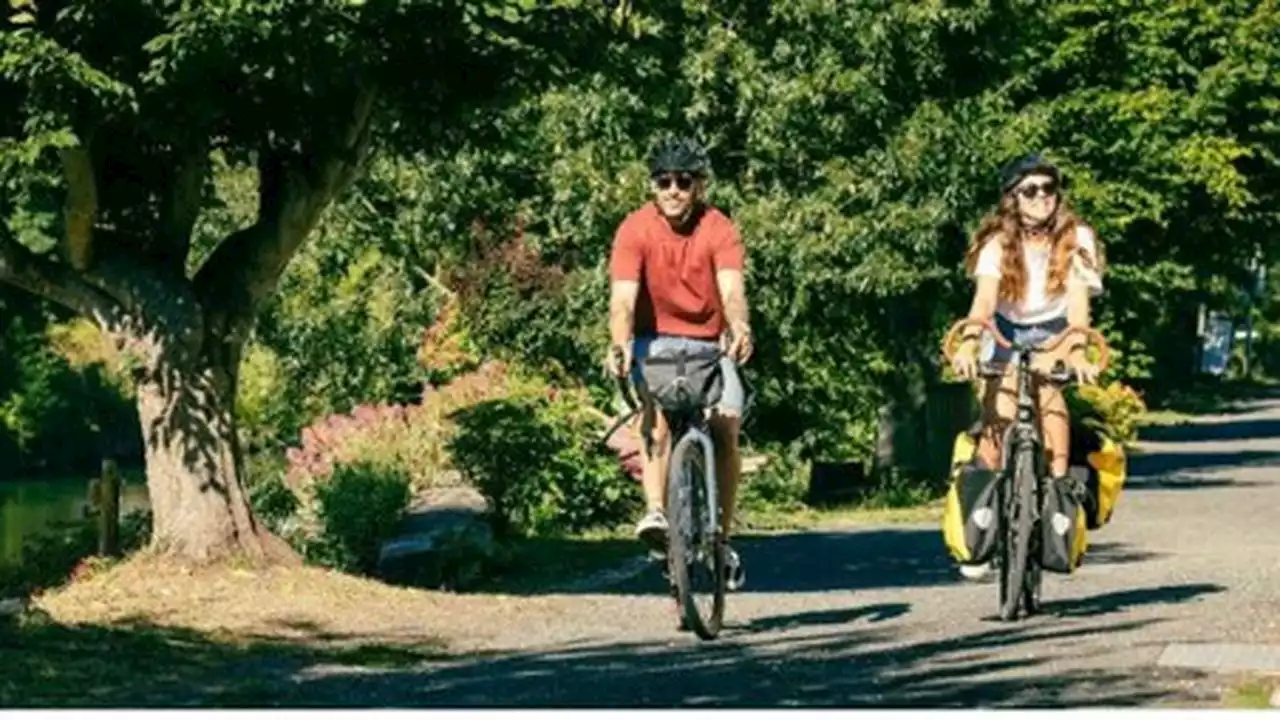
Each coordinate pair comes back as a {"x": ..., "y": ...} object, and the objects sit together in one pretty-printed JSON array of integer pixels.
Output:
[
  {"x": 976, "y": 572},
  {"x": 652, "y": 531}
]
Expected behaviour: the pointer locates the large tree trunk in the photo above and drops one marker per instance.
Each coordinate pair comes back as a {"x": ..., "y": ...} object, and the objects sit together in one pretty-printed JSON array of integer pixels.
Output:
[{"x": 194, "y": 469}]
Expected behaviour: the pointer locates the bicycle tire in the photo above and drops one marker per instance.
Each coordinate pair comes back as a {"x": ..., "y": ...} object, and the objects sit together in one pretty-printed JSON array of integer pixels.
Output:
[
  {"x": 691, "y": 545},
  {"x": 1013, "y": 583}
]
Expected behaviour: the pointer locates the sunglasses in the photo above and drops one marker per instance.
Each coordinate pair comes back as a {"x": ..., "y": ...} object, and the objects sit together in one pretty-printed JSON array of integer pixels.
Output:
[
  {"x": 1031, "y": 191},
  {"x": 684, "y": 181}
]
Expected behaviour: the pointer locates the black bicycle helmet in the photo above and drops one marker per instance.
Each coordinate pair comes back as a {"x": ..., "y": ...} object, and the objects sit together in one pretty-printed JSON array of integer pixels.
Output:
[
  {"x": 1013, "y": 173},
  {"x": 679, "y": 154}
]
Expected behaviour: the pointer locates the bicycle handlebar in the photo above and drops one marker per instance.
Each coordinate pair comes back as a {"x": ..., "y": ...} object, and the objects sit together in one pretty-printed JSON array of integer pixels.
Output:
[
  {"x": 632, "y": 401},
  {"x": 948, "y": 343}
]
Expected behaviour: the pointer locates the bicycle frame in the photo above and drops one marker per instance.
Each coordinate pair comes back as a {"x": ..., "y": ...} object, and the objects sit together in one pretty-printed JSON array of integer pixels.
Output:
[{"x": 1025, "y": 429}]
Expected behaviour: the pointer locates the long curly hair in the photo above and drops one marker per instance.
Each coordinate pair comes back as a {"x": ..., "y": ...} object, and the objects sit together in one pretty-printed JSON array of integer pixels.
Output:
[{"x": 1004, "y": 226}]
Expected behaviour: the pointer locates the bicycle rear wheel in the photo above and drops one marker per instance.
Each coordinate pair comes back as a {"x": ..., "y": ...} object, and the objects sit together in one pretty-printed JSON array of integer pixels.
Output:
[
  {"x": 1015, "y": 580},
  {"x": 696, "y": 557}
]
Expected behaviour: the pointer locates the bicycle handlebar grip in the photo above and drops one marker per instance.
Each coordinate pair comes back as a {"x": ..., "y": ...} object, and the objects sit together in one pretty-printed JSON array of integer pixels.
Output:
[
  {"x": 949, "y": 341},
  {"x": 624, "y": 385}
]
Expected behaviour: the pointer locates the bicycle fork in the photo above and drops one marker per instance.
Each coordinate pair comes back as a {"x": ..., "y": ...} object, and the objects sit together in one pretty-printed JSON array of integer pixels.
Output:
[{"x": 695, "y": 436}]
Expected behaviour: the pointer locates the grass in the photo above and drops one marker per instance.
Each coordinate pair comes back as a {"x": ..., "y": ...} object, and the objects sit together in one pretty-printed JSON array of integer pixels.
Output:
[
  {"x": 1209, "y": 397},
  {"x": 148, "y": 632},
  {"x": 1253, "y": 693},
  {"x": 547, "y": 565},
  {"x": 807, "y": 518},
  {"x": 543, "y": 565}
]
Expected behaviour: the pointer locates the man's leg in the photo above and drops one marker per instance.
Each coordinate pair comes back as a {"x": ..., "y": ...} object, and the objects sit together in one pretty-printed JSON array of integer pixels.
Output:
[
  {"x": 656, "y": 455},
  {"x": 724, "y": 432},
  {"x": 653, "y": 526},
  {"x": 726, "y": 424}
]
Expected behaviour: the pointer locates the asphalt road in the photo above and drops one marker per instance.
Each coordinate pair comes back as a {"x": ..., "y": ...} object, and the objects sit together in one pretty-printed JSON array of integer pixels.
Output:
[{"x": 878, "y": 616}]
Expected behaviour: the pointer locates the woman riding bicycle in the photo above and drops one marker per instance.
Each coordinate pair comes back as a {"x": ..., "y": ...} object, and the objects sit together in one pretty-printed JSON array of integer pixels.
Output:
[{"x": 1036, "y": 266}]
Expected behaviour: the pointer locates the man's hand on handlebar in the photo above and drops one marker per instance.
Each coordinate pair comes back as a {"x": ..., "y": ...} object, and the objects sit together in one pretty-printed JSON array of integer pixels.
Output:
[
  {"x": 736, "y": 343},
  {"x": 618, "y": 361}
]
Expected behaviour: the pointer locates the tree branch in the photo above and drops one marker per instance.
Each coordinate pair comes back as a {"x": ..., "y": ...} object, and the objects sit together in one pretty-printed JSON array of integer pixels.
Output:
[
  {"x": 180, "y": 207},
  {"x": 81, "y": 209},
  {"x": 293, "y": 192},
  {"x": 24, "y": 269}
]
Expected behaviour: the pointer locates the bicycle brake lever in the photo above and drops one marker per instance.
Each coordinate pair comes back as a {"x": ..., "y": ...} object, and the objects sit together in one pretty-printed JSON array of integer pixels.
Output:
[{"x": 1060, "y": 373}]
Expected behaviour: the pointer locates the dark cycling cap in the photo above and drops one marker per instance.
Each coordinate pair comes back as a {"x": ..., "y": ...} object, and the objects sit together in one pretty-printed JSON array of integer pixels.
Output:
[
  {"x": 1013, "y": 173},
  {"x": 679, "y": 154}
]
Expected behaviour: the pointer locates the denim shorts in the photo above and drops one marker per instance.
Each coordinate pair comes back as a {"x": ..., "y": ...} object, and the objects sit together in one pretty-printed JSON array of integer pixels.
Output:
[
  {"x": 1033, "y": 335},
  {"x": 732, "y": 395}
]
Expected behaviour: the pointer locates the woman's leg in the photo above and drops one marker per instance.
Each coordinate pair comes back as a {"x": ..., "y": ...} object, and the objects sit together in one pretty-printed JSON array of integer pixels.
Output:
[
  {"x": 999, "y": 403},
  {"x": 1055, "y": 427}
]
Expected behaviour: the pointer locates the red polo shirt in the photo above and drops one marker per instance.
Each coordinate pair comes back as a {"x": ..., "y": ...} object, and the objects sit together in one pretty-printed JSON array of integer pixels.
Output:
[{"x": 677, "y": 273}]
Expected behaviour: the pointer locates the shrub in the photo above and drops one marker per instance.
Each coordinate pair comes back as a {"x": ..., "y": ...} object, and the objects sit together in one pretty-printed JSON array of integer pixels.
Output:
[
  {"x": 538, "y": 461},
  {"x": 780, "y": 484},
  {"x": 410, "y": 437},
  {"x": 57, "y": 555},
  {"x": 271, "y": 499},
  {"x": 358, "y": 509},
  {"x": 1115, "y": 409}
]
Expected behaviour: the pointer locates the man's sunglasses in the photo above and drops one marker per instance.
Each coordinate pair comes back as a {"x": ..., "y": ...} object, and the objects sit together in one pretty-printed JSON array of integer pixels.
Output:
[
  {"x": 684, "y": 181},
  {"x": 1031, "y": 191}
]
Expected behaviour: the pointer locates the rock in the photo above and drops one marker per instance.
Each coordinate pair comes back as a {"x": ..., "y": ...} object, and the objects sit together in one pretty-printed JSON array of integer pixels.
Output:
[
  {"x": 445, "y": 541},
  {"x": 12, "y": 607}
]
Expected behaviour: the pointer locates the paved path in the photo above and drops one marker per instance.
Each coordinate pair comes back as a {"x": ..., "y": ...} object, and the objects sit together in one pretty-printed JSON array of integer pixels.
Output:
[{"x": 878, "y": 616}]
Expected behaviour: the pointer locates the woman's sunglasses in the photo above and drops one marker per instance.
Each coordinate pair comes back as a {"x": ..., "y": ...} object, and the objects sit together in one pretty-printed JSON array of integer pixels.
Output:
[
  {"x": 684, "y": 181},
  {"x": 1031, "y": 191}
]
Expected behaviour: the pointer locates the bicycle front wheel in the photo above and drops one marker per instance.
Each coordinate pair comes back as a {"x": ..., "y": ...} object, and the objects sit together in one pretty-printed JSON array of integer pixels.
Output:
[
  {"x": 1015, "y": 581},
  {"x": 696, "y": 556}
]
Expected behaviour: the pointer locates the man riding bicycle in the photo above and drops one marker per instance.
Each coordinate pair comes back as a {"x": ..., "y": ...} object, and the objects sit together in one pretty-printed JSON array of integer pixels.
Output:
[{"x": 676, "y": 272}]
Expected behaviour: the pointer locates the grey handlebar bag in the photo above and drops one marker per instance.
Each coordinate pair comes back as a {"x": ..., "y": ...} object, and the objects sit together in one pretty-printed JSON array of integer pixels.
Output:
[{"x": 682, "y": 382}]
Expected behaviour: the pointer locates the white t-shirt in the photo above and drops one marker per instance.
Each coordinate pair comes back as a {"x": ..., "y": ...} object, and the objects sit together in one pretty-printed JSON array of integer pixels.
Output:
[{"x": 1036, "y": 307}]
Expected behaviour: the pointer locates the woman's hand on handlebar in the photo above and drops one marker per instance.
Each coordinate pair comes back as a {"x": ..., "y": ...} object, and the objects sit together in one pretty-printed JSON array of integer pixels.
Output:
[
  {"x": 1085, "y": 371},
  {"x": 965, "y": 361},
  {"x": 963, "y": 355}
]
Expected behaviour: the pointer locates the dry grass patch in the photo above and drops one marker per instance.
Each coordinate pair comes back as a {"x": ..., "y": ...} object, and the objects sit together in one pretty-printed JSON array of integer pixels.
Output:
[
  {"x": 293, "y": 604},
  {"x": 150, "y": 633}
]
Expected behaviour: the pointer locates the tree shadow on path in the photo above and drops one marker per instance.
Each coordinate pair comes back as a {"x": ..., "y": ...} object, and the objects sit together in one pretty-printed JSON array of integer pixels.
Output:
[
  {"x": 1006, "y": 666},
  {"x": 1209, "y": 432}
]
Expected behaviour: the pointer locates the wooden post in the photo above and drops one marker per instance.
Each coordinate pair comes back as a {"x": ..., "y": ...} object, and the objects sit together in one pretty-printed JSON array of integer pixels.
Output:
[{"x": 109, "y": 510}]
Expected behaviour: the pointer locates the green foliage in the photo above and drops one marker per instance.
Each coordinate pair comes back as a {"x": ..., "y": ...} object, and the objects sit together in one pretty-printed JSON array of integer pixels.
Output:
[
  {"x": 359, "y": 508},
  {"x": 1114, "y": 409},
  {"x": 856, "y": 144},
  {"x": 57, "y": 555},
  {"x": 538, "y": 461},
  {"x": 270, "y": 497},
  {"x": 782, "y": 484},
  {"x": 60, "y": 406}
]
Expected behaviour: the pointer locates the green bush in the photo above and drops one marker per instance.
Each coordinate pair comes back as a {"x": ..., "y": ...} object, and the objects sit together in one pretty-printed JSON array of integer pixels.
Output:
[
  {"x": 50, "y": 559},
  {"x": 358, "y": 508},
  {"x": 539, "y": 463},
  {"x": 780, "y": 485},
  {"x": 271, "y": 499}
]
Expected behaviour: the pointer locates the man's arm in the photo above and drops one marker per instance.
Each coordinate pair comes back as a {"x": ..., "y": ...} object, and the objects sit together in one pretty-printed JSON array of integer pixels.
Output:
[
  {"x": 626, "y": 262},
  {"x": 733, "y": 297},
  {"x": 622, "y": 311}
]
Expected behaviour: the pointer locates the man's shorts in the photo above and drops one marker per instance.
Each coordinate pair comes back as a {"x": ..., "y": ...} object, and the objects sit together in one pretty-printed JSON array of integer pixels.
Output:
[{"x": 732, "y": 395}]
